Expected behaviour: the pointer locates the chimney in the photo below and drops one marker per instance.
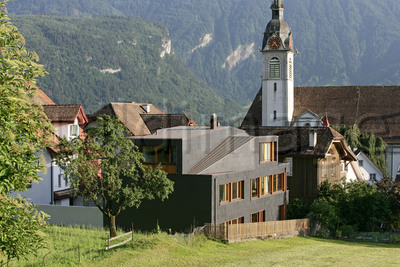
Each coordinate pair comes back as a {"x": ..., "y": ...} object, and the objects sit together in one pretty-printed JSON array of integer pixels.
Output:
[
  {"x": 213, "y": 121},
  {"x": 146, "y": 108},
  {"x": 312, "y": 138}
]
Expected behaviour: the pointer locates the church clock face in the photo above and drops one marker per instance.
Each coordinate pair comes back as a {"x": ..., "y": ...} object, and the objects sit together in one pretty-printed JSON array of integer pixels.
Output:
[{"x": 274, "y": 43}]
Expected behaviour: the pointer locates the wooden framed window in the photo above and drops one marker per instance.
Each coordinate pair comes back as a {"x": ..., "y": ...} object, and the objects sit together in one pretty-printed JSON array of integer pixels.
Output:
[
  {"x": 224, "y": 193},
  {"x": 274, "y": 68},
  {"x": 333, "y": 166},
  {"x": 73, "y": 130},
  {"x": 237, "y": 190},
  {"x": 164, "y": 155},
  {"x": 267, "y": 152},
  {"x": 258, "y": 217},
  {"x": 261, "y": 186},
  {"x": 323, "y": 168},
  {"x": 278, "y": 182},
  {"x": 234, "y": 221},
  {"x": 159, "y": 154},
  {"x": 230, "y": 192}
]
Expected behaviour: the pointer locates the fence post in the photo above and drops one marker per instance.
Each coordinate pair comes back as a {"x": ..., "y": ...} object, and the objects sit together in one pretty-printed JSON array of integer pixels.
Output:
[{"x": 132, "y": 231}]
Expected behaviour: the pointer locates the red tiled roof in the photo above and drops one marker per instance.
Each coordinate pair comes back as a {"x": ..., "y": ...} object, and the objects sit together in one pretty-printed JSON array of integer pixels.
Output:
[{"x": 65, "y": 113}]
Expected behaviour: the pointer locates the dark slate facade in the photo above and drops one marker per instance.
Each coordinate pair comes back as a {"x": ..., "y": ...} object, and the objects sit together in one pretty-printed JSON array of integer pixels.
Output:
[{"x": 205, "y": 159}]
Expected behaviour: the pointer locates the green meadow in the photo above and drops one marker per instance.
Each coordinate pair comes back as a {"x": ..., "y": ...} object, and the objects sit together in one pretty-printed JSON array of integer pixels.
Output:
[{"x": 67, "y": 245}]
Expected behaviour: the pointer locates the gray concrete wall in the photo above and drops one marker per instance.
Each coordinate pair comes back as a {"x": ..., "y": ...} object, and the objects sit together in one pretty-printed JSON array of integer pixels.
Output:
[
  {"x": 223, "y": 212},
  {"x": 70, "y": 215}
]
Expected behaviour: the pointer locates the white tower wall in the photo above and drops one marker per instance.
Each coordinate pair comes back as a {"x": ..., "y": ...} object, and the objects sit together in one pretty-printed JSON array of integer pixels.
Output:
[{"x": 278, "y": 92}]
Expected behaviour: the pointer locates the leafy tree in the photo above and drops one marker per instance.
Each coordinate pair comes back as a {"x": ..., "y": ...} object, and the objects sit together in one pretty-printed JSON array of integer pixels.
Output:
[
  {"x": 297, "y": 209},
  {"x": 24, "y": 130},
  {"x": 19, "y": 224},
  {"x": 357, "y": 204},
  {"x": 374, "y": 148},
  {"x": 392, "y": 190},
  {"x": 107, "y": 168}
]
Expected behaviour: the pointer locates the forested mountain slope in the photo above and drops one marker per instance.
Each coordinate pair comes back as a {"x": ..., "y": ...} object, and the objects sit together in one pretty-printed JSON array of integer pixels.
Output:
[
  {"x": 97, "y": 60},
  {"x": 341, "y": 42}
]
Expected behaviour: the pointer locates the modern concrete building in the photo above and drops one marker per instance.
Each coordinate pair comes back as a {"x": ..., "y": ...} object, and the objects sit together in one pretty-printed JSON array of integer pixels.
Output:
[{"x": 221, "y": 175}]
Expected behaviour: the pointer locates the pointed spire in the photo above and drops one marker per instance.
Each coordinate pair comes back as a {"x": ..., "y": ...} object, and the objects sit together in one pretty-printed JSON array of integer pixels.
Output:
[
  {"x": 277, "y": 9},
  {"x": 325, "y": 122}
]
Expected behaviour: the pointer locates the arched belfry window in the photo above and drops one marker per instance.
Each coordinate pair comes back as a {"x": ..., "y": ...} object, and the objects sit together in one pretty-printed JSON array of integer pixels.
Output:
[{"x": 274, "y": 68}]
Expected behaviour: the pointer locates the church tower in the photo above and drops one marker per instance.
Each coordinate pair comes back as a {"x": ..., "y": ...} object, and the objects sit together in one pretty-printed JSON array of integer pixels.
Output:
[{"x": 277, "y": 73}]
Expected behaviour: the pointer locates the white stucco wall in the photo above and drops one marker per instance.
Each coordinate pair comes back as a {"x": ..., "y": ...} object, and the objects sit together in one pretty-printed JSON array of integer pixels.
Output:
[
  {"x": 368, "y": 168},
  {"x": 40, "y": 193},
  {"x": 393, "y": 159}
]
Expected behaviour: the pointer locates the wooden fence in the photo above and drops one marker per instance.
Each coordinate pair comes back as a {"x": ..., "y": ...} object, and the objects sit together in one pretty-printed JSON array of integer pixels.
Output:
[{"x": 243, "y": 231}]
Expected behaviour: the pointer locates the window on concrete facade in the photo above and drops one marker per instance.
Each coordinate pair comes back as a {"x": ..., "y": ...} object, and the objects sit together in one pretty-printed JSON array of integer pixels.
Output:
[
  {"x": 265, "y": 185},
  {"x": 278, "y": 182},
  {"x": 361, "y": 163},
  {"x": 234, "y": 221},
  {"x": 258, "y": 217},
  {"x": 372, "y": 176},
  {"x": 159, "y": 154},
  {"x": 267, "y": 152},
  {"x": 73, "y": 130},
  {"x": 274, "y": 68},
  {"x": 164, "y": 155},
  {"x": 231, "y": 191},
  {"x": 261, "y": 186}
]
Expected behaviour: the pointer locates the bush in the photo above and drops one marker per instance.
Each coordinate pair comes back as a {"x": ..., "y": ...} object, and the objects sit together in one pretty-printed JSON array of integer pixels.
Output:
[
  {"x": 297, "y": 209},
  {"x": 354, "y": 206}
]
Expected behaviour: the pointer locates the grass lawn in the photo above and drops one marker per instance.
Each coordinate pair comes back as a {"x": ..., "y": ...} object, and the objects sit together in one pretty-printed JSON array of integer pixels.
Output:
[{"x": 165, "y": 250}]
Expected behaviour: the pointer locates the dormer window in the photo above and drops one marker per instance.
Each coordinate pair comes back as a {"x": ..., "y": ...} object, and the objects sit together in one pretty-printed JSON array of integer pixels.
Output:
[
  {"x": 73, "y": 130},
  {"x": 274, "y": 68},
  {"x": 267, "y": 152}
]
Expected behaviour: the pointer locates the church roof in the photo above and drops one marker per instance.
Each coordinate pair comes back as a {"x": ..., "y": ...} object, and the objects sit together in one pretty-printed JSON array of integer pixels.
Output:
[{"x": 375, "y": 109}]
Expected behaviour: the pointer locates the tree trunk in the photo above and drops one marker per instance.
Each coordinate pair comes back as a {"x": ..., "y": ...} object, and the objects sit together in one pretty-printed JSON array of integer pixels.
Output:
[{"x": 113, "y": 228}]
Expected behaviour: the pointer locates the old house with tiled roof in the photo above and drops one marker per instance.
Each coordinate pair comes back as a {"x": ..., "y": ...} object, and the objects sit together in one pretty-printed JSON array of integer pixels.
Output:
[
  {"x": 315, "y": 151},
  {"x": 374, "y": 109},
  {"x": 68, "y": 122},
  {"x": 141, "y": 118}
]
